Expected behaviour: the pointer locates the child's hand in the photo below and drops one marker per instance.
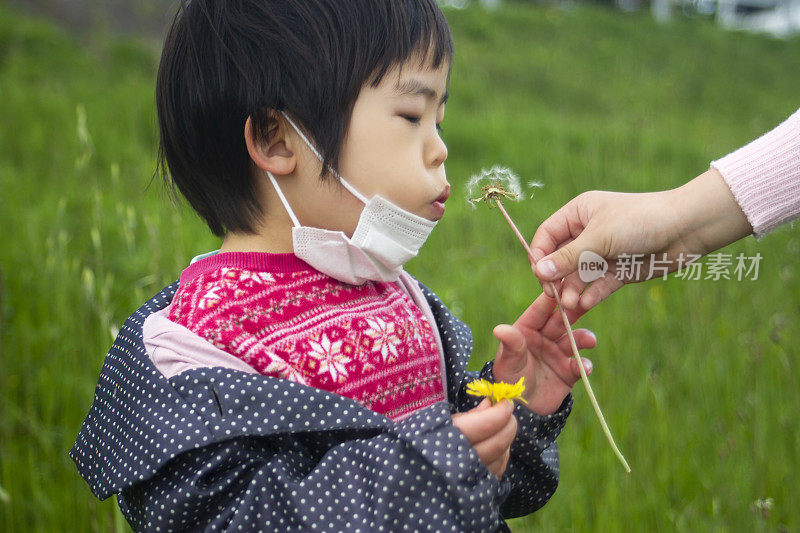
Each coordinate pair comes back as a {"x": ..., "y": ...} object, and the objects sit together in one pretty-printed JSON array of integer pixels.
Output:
[
  {"x": 537, "y": 347},
  {"x": 491, "y": 430}
]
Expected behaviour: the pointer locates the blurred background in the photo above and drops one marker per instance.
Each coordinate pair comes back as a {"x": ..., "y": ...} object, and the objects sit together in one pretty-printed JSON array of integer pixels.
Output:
[{"x": 697, "y": 379}]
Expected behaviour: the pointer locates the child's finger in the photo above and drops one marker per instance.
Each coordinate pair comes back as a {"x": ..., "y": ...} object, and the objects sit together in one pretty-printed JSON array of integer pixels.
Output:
[
  {"x": 478, "y": 425},
  {"x": 485, "y": 404},
  {"x": 584, "y": 339},
  {"x": 492, "y": 448},
  {"x": 587, "y": 365},
  {"x": 537, "y": 314},
  {"x": 554, "y": 327},
  {"x": 498, "y": 467},
  {"x": 512, "y": 340},
  {"x": 512, "y": 354}
]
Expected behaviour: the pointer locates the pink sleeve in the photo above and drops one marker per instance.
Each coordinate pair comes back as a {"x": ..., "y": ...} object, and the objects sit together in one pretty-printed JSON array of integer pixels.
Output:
[{"x": 764, "y": 176}]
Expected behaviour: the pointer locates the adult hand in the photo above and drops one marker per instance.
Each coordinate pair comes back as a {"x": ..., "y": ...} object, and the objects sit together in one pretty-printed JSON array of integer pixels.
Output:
[
  {"x": 696, "y": 218},
  {"x": 536, "y": 348},
  {"x": 490, "y": 430}
]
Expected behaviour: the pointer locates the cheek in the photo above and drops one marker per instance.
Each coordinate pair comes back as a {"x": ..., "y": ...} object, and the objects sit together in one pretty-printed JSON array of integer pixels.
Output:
[
  {"x": 332, "y": 210},
  {"x": 378, "y": 137},
  {"x": 375, "y": 159}
]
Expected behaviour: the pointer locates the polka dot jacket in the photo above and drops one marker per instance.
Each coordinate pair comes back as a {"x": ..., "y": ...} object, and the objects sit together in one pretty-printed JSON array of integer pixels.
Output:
[{"x": 216, "y": 449}]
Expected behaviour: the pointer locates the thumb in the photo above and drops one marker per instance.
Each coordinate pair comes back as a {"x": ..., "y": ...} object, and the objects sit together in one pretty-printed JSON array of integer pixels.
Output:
[
  {"x": 510, "y": 359},
  {"x": 563, "y": 261}
]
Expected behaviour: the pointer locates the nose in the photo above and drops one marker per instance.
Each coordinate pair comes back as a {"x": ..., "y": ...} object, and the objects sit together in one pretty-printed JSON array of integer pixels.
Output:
[{"x": 436, "y": 151}]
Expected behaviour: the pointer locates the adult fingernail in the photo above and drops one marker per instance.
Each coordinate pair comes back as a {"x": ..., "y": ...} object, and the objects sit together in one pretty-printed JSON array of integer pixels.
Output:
[
  {"x": 546, "y": 268},
  {"x": 587, "y": 365}
]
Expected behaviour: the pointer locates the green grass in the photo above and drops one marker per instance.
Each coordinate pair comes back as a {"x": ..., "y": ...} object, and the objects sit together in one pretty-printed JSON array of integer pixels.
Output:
[{"x": 697, "y": 379}]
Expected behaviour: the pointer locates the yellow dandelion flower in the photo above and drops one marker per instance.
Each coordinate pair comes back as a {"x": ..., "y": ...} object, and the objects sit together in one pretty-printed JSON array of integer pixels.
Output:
[{"x": 497, "y": 392}]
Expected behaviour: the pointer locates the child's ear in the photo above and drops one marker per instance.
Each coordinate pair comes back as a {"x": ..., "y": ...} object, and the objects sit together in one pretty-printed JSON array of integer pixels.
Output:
[{"x": 271, "y": 154}]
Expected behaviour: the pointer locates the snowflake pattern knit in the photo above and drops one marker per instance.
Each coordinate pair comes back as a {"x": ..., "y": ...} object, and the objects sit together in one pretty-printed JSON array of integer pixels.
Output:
[{"x": 285, "y": 319}]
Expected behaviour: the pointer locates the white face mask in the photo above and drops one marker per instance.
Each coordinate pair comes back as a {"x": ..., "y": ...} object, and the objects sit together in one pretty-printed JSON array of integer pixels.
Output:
[{"x": 385, "y": 239}]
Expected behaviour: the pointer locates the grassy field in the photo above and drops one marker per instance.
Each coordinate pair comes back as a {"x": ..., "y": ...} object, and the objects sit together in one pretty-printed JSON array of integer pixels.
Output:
[{"x": 697, "y": 378}]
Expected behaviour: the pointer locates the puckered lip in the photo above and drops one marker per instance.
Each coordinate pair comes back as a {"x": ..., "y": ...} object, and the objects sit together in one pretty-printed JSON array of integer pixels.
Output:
[
  {"x": 445, "y": 194},
  {"x": 438, "y": 204}
]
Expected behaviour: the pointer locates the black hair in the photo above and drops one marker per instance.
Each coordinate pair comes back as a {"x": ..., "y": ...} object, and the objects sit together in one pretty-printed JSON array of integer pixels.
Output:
[{"x": 225, "y": 60}]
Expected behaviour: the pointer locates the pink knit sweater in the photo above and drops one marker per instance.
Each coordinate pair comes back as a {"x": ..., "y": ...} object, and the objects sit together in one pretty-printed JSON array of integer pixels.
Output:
[
  {"x": 764, "y": 176},
  {"x": 285, "y": 319}
]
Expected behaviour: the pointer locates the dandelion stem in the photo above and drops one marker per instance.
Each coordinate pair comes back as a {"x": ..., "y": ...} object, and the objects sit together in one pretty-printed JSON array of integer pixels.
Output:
[
  {"x": 574, "y": 346},
  {"x": 514, "y": 227}
]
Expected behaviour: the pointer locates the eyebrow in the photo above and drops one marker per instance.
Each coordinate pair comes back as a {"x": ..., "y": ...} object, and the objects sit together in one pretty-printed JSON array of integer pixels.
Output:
[{"x": 414, "y": 87}]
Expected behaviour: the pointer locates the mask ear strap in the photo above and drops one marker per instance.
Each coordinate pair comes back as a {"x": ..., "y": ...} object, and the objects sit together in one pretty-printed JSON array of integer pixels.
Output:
[
  {"x": 352, "y": 189},
  {"x": 343, "y": 181},
  {"x": 302, "y": 135},
  {"x": 283, "y": 200}
]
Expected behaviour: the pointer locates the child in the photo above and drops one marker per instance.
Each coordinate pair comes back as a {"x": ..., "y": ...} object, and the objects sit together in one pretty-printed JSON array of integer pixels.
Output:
[{"x": 299, "y": 379}]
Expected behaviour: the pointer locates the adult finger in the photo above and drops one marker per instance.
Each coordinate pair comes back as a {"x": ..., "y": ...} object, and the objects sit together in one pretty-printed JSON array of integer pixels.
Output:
[
  {"x": 571, "y": 291},
  {"x": 564, "y": 260},
  {"x": 555, "y": 230},
  {"x": 549, "y": 287},
  {"x": 599, "y": 290}
]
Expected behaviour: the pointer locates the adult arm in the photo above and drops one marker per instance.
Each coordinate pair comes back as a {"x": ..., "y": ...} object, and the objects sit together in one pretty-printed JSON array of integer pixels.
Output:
[{"x": 751, "y": 190}]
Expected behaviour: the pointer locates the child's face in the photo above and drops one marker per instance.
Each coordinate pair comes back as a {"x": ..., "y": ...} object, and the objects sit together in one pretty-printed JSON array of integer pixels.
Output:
[{"x": 392, "y": 149}]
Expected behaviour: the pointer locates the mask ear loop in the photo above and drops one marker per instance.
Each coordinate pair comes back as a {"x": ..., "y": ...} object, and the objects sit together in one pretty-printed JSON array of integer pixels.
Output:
[
  {"x": 343, "y": 181},
  {"x": 283, "y": 200}
]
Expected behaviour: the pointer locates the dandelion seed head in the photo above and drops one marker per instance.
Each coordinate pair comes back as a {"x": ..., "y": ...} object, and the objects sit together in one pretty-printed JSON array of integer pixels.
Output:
[
  {"x": 493, "y": 184},
  {"x": 497, "y": 174},
  {"x": 496, "y": 183},
  {"x": 763, "y": 506}
]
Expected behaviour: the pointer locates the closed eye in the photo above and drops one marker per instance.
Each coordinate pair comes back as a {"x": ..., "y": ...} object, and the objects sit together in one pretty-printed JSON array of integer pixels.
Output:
[{"x": 415, "y": 120}]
